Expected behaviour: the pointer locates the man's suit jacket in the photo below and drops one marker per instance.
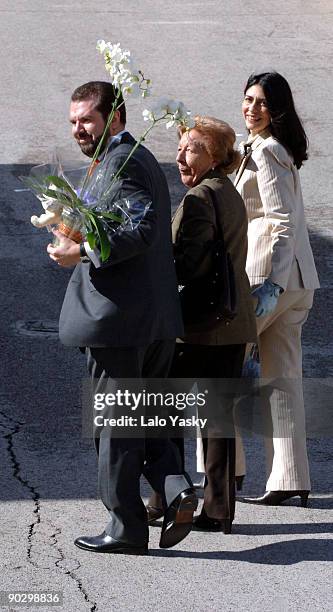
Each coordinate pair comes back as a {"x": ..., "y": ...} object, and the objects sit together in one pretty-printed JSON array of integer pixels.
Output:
[
  {"x": 278, "y": 241},
  {"x": 132, "y": 299},
  {"x": 194, "y": 229}
]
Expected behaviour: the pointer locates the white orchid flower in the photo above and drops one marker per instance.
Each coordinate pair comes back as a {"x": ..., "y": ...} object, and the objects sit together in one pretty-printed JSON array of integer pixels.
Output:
[
  {"x": 124, "y": 75},
  {"x": 173, "y": 112},
  {"x": 172, "y": 106},
  {"x": 101, "y": 46},
  {"x": 132, "y": 88},
  {"x": 148, "y": 115}
]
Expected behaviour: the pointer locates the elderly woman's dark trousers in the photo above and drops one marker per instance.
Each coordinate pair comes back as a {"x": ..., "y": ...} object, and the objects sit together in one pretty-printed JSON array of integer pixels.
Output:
[{"x": 214, "y": 362}]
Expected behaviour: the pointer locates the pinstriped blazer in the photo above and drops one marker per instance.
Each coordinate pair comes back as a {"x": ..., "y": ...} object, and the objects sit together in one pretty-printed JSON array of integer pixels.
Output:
[{"x": 278, "y": 240}]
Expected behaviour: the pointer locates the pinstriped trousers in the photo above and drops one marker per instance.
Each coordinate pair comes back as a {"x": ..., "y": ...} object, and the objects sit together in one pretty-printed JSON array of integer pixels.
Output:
[{"x": 279, "y": 338}]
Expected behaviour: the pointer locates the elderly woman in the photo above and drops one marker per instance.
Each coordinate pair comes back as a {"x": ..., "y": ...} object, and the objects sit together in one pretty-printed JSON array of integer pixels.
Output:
[
  {"x": 282, "y": 273},
  {"x": 205, "y": 157}
]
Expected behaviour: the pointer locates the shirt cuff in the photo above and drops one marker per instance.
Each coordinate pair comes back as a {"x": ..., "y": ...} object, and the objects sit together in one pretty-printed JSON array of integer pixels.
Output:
[{"x": 92, "y": 255}]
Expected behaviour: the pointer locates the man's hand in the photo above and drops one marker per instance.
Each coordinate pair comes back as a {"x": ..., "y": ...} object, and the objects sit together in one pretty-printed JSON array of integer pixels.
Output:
[
  {"x": 67, "y": 253},
  {"x": 268, "y": 295}
]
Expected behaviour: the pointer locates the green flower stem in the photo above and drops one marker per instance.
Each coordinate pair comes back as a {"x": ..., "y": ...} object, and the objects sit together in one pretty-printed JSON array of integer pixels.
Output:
[
  {"x": 132, "y": 151},
  {"x": 137, "y": 144},
  {"x": 97, "y": 152}
]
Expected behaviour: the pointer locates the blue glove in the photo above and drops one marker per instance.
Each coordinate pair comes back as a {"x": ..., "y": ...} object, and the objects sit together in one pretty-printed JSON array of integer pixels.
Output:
[{"x": 268, "y": 295}]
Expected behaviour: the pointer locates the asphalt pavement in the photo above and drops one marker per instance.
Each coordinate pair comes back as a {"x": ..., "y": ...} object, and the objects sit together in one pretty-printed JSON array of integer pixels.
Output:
[{"x": 276, "y": 558}]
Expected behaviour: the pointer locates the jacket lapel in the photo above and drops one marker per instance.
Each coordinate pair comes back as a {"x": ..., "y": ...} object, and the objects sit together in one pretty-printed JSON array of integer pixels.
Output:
[
  {"x": 243, "y": 164},
  {"x": 253, "y": 142}
]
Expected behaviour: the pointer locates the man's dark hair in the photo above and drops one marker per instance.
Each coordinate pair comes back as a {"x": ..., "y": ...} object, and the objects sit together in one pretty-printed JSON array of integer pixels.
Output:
[
  {"x": 104, "y": 94},
  {"x": 285, "y": 125}
]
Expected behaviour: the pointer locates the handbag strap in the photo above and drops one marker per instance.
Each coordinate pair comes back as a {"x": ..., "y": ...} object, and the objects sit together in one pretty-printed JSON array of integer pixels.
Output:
[{"x": 218, "y": 224}]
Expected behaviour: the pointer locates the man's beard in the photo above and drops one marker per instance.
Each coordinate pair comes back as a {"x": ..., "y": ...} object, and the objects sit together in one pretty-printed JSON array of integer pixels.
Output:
[{"x": 90, "y": 147}]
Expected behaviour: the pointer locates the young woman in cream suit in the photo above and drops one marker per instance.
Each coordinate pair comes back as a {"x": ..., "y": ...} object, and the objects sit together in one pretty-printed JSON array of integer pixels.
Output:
[{"x": 282, "y": 274}]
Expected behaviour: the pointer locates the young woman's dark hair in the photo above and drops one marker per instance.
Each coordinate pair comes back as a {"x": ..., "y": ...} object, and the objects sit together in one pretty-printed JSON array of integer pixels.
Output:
[{"x": 285, "y": 126}]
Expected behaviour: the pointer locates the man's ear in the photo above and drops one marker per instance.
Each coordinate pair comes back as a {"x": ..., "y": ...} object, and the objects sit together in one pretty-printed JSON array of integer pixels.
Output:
[{"x": 116, "y": 124}]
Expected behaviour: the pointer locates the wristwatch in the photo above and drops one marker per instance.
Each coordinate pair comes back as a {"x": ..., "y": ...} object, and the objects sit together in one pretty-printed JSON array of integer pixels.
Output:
[{"x": 83, "y": 253}]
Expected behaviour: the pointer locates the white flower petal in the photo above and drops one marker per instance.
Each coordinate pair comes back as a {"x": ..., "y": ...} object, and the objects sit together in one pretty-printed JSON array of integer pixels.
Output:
[
  {"x": 148, "y": 115},
  {"x": 101, "y": 46},
  {"x": 173, "y": 106}
]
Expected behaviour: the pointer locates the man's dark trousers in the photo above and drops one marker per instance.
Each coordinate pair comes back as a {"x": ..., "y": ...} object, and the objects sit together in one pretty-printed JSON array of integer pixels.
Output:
[{"x": 121, "y": 461}]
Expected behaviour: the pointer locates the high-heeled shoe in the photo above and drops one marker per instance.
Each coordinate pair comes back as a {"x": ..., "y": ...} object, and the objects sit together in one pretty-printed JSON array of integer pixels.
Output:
[
  {"x": 202, "y": 483},
  {"x": 239, "y": 482},
  {"x": 154, "y": 508},
  {"x": 206, "y": 523},
  {"x": 275, "y": 498}
]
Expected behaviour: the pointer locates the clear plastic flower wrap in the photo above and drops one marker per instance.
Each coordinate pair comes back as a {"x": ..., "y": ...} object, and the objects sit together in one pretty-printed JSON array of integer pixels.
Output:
[
  {"x": 83, "y": 198},
  {"x": 83, "y": 204}
]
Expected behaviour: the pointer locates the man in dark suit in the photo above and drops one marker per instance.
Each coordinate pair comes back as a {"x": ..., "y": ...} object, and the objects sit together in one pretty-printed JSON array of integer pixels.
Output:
[{"x": 125, "y": 312}]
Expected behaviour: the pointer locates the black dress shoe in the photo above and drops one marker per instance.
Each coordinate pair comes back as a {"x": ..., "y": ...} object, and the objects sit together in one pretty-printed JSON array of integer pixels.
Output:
[
  {"x": 206, "y": 523},
  {"x": 106, "y": 544},
  {"x": 178, "y": 518},
  {"x": 275, "y": 498}
]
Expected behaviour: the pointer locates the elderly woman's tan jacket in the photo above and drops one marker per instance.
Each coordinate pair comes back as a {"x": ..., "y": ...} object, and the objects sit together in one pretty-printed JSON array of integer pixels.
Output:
[{"x": 194, "y": 228}]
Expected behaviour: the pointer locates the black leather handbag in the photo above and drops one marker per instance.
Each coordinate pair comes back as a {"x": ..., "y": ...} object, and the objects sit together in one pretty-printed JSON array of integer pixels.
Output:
[{"x": 211, "y": 301}]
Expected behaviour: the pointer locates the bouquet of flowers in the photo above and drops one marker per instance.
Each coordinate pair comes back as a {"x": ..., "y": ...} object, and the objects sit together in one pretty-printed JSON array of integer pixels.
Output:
[
  {"x": 73, "y": 195},
  {"x": 59, "y": 187}
]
